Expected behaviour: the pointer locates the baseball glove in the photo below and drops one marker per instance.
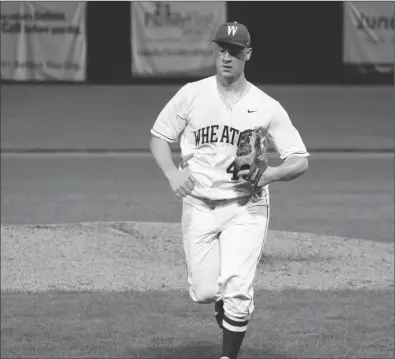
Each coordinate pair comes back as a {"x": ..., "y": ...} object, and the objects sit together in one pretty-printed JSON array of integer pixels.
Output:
[{"x": 251, "y": 155}]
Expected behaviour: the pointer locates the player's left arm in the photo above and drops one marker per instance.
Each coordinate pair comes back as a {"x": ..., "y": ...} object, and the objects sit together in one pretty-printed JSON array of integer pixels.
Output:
[
  {"x": 287, "y": 141},
  {"x": 292, "y": 167}
]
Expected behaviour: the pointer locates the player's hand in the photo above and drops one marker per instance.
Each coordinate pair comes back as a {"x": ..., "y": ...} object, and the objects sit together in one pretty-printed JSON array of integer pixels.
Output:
[{"x": 181, "y": 182}]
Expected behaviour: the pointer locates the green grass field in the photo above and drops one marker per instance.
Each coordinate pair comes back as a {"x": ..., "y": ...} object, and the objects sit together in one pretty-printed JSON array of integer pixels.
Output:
[{"x": 157, "y": 324}]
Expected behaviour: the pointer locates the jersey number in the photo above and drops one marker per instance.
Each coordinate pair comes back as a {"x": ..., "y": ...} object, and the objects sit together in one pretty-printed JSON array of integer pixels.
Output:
[{"x": 233, "y": 170}]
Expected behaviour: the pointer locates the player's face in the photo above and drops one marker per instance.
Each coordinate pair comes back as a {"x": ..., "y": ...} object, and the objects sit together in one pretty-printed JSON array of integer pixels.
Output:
[{"x": 230, "y": 60}]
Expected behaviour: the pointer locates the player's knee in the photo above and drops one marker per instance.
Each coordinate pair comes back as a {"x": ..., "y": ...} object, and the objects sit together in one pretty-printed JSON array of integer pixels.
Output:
[{"x": 203, "y": 294}]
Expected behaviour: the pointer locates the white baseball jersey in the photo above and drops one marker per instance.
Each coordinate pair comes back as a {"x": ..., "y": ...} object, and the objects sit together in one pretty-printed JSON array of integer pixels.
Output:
[{"x": 209, "y": 129}]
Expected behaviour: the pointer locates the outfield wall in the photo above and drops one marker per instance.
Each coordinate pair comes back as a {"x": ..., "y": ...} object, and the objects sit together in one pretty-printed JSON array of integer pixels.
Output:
[{"x": 293, "y": 43}]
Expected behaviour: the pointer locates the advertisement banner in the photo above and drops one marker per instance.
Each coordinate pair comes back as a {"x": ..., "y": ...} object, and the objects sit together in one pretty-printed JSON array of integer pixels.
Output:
[
  {"x": 174, "y": 38},
  {"x": 43, "y": 40},
  {"x": 368, "y": 33}
]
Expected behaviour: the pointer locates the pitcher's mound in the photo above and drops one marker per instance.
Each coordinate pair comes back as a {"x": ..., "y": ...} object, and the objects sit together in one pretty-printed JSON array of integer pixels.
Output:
[{"x": 144, "y": 256}]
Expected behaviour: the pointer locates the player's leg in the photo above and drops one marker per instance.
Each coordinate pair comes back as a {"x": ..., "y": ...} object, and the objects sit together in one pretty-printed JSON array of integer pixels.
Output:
[
  {"x": 201, "y": 246},
  {"x": 241, "y": 245}
]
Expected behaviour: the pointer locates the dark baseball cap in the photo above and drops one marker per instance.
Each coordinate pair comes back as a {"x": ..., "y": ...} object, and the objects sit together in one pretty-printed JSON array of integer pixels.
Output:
[{"x": 233, "y": 33}]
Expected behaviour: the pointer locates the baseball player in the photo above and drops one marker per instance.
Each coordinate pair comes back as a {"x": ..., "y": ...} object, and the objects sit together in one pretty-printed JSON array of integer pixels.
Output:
[{"x": 225, "y": 202}]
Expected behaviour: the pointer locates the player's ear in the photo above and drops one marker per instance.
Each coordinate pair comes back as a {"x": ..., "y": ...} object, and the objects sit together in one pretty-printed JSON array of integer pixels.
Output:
[
  {"x": 248, "y": 53},
  {"x": 215, "y": 48}
]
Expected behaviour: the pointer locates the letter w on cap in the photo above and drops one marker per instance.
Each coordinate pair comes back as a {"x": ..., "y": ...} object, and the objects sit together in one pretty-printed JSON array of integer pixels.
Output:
[{"x": 232, "y": 30}]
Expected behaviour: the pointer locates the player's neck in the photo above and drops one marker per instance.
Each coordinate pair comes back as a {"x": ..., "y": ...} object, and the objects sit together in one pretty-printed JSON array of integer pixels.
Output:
[{"x": 232, "y": 85}]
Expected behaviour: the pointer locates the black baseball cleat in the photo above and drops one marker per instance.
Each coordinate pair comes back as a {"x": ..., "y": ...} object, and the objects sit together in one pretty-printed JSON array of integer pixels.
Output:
[{"x": 219, "y": 312}]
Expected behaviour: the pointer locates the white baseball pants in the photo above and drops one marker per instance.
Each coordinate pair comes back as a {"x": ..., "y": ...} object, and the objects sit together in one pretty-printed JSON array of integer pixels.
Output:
[{"x": 223, "y": 243}]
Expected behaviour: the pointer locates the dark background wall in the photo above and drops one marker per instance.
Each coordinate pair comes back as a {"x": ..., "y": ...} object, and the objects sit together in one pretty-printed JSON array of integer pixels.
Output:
[{"x": 293, "y": 41}]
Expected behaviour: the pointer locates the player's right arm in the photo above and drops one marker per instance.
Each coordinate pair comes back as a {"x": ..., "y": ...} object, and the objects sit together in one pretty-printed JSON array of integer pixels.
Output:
[
  {"x": 167, "y": 128},
  {"x": 181, "y": 181}
]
